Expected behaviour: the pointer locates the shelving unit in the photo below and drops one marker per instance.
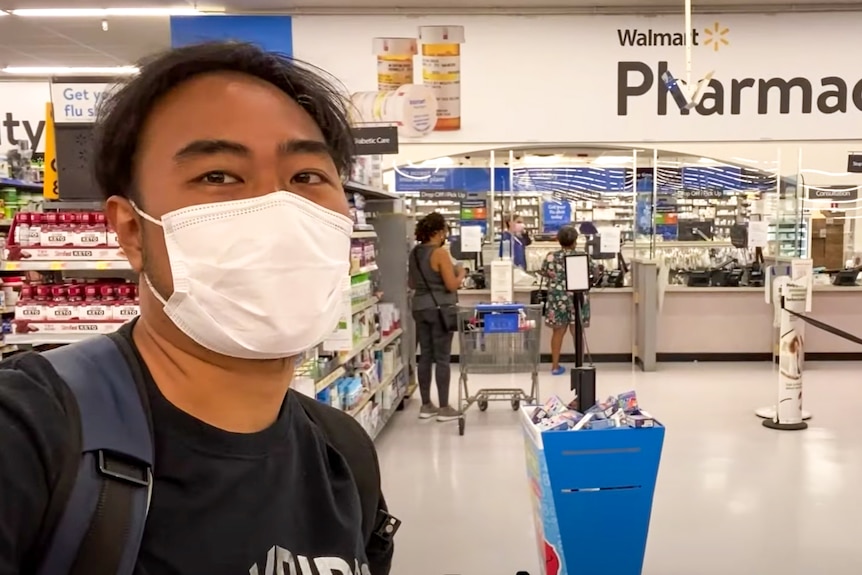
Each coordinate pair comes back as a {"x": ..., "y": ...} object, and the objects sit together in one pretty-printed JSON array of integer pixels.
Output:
[{"x": 377, "y": 364}]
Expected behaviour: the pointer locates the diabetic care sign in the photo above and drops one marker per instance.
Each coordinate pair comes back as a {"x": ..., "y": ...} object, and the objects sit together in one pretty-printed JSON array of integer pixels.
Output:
[{"x": 598, "y": 78}]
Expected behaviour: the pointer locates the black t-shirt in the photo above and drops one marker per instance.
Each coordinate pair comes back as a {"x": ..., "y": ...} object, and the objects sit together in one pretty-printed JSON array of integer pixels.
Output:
[{"x": 277, "y": 501}]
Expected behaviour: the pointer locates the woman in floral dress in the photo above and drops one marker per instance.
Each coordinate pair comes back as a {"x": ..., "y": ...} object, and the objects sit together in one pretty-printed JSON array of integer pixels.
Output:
[{"x": 560, "y": 308}]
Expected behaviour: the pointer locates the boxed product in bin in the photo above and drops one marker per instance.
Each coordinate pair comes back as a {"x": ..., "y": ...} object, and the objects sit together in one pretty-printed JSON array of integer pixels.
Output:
[
  {"x": 605, "y": 409},
  {"x": 641, "y": 419},
  {"x": 628, "y": 401},
  {"x": 555, "y": 406}
]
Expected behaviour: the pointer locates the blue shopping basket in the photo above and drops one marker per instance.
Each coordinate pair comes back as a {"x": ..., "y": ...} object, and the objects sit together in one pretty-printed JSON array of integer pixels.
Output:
[
  {"x": 500, "y": 318},
  {"x": 592, "y": 493}
]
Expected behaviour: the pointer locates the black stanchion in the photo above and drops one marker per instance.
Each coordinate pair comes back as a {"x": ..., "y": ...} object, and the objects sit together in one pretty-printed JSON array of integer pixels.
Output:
[{"x": 583, "y": 379}]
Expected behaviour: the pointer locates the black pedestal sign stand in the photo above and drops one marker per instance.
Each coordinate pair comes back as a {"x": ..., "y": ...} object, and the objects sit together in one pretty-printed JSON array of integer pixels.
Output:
[{"x": 583, "y": 379}]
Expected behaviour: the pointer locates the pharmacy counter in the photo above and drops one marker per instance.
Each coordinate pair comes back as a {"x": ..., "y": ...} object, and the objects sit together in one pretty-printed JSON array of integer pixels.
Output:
[
  {"x": 609, "y": 336},
  {"x": 840, "y": 307},
  {"x": 736, "y": 323}
]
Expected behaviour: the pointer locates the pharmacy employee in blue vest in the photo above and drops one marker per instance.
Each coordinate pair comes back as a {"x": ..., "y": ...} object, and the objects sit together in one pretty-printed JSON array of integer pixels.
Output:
[{"x": 515, "y": 236}]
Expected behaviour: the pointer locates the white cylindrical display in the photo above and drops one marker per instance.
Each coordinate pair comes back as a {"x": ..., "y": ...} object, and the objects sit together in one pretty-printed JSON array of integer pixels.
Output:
[
  {"x": 791, "y": 353},
  {"x": 441, "y": 70},
  {"x": 413, "y": 108},
  {"x": 394, "y": 62}
]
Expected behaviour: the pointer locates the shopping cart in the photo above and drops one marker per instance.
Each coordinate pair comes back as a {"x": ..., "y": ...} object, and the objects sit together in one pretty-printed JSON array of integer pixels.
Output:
[{"x": 496, "y": 339}]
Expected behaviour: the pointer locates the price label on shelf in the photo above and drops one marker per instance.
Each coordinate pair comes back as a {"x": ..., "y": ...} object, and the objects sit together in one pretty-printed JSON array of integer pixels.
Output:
[
  {"x": 103, "y": 265},
  {"x": 54, "y": 266},
  {"x": 11, "y": 266}
]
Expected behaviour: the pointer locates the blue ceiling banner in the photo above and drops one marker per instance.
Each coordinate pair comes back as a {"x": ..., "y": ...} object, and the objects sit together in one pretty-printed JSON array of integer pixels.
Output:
[
  {"x": 572, "y": 179},
  {"x": 713, "y": 177},
  {"x": 272, "y": 33},
  {"x": 468, "y": 179}
]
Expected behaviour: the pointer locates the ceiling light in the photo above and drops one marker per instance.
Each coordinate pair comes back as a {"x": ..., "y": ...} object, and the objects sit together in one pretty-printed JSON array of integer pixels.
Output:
[
  {"x": 102, "y": 12},
  {"x": 541, "y": 160},
  {"x": 438, "y": 162},
  {"x": 70, "y": 70},
  {"x": 610, "y": 160}
]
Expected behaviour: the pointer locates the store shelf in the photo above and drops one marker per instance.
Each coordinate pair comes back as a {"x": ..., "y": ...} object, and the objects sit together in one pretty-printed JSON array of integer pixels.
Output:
[
  {"x": 363, "y": 305},
  {"x": 339, "y": 371},
  {"x": 359, "y": 347},
  {"x": 363, "y": 234},
  {"x": 47, "y": 338},
  {"x": 364, "y": 270},
  {"x": 12, "y": 183},
  {"x": 64, "y": 265},
  {"x": 388, "y": 415},
  {"x": 354, "y": 411},
  {"x": 389, "y": 339},
  {"x": 369, "y": 192},
  {"x": 329, "y": 379}
]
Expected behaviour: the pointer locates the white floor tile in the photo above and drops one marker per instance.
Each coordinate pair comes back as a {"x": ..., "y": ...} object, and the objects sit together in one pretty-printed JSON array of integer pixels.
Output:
[{"x": 732, "y": 496}]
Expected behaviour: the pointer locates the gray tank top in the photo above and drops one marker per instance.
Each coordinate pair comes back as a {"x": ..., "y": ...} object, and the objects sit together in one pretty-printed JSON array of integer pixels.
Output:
[{"x": 422, "y": 298}]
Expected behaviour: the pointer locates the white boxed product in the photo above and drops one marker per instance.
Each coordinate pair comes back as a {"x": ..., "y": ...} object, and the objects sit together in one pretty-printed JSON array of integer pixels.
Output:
[
  {"x": 387, "y": 396},
  {"x": 61, "y": 312},
  {"x": 30, "y": 312},
  {"x": 387, "y": 317},
  {"x": 126, "y": 312},
  {"x": 93, "y": 311}
]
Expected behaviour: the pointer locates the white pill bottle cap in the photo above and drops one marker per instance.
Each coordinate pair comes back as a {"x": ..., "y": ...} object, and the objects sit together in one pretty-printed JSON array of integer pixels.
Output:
[
  {"x": 442, "y": 34},
  {"x": 394, "y": 46}
]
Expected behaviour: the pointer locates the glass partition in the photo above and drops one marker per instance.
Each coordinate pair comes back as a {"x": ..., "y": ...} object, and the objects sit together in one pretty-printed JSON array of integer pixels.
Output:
[{"x": 831, "y": 210}]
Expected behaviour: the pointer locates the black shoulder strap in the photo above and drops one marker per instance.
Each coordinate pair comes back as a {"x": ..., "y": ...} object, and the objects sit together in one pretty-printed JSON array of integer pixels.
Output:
[
  {"x": 100, "y": 530},
  {"x": 378, "y": 527}
]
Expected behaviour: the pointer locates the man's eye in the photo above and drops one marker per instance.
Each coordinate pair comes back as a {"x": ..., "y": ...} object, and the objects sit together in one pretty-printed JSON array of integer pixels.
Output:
[
  {"x": 310, "y": 178},
  {"x": 218, "y": 178}
]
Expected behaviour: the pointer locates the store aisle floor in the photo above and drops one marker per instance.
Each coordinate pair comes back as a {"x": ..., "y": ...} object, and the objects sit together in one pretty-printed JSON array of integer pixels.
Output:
[{"x": 732, "y": 496}]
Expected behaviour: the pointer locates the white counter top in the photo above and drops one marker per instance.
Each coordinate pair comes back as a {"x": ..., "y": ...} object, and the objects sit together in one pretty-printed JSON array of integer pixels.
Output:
[
  {"x": 817, "y": 288},
  {"x": 526, "y": 290}
]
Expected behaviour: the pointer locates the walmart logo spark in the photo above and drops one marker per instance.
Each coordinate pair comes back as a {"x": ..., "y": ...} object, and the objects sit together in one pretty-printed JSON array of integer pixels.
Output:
[{"x": 716, "y": 36}]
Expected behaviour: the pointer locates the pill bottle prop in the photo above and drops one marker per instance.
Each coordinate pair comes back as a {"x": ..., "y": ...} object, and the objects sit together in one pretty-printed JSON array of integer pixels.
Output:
[
  {"x": 412, "y": 108},
  {"x": 394, "y": 62},
  {"x": 441, "y": 70}
]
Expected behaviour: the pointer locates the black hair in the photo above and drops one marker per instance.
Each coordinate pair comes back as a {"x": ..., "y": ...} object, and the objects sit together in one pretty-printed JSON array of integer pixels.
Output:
[
  {"x": 430, "y": 225},
  {"x": 123, "y": 113},
  {"x": 567, "y": 236}
]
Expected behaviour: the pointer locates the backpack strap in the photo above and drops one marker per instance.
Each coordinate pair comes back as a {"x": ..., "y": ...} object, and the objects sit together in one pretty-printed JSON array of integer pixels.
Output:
[
  {"x": 357, "y": 449},
  {"x": 100, "y": 530}
]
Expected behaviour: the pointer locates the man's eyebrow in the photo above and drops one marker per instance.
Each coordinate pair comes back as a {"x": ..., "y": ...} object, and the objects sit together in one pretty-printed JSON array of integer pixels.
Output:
[
  {"x": 314, "y": 147},
  {"x": 210, "y": 148}
]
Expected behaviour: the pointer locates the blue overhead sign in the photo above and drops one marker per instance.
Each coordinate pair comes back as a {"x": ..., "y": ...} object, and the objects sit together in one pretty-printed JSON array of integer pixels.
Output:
[
  {"x": 571, "y": 179},
  {"x": 468, "y": 179},
  {"x": 273, "y": 33},
  {"x": 555, "y": 215}
]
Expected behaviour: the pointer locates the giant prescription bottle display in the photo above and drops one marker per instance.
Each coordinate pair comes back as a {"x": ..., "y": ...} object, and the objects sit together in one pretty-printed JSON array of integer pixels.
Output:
[
  {"x": 394, "y": 62},
  {"x": 441, "y": 71},
  {"x": 412, "y": 108}
]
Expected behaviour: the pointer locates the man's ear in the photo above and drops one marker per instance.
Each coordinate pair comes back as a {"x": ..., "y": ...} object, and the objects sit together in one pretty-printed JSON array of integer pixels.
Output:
[{"x": 127, "y": 224}]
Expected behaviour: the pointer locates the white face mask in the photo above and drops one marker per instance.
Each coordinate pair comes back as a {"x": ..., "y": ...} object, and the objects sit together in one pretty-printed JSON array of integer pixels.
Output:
[{"x": 256, "y": 279}]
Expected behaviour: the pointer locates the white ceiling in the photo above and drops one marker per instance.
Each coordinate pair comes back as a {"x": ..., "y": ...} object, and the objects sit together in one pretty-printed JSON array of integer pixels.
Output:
[{"x": 82, "y": 42}]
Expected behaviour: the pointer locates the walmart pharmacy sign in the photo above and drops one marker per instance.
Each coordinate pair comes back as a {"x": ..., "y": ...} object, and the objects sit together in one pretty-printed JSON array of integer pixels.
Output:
[{"x": 736, "y": 96}]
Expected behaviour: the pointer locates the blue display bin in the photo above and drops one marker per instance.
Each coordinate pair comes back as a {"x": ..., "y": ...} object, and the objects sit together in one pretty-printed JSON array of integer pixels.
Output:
[{"x": 592, "y": 493}]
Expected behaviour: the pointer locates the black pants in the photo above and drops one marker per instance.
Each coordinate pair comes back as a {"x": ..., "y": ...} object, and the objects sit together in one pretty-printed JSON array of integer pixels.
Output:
[{"x": 435, "y": 348}]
